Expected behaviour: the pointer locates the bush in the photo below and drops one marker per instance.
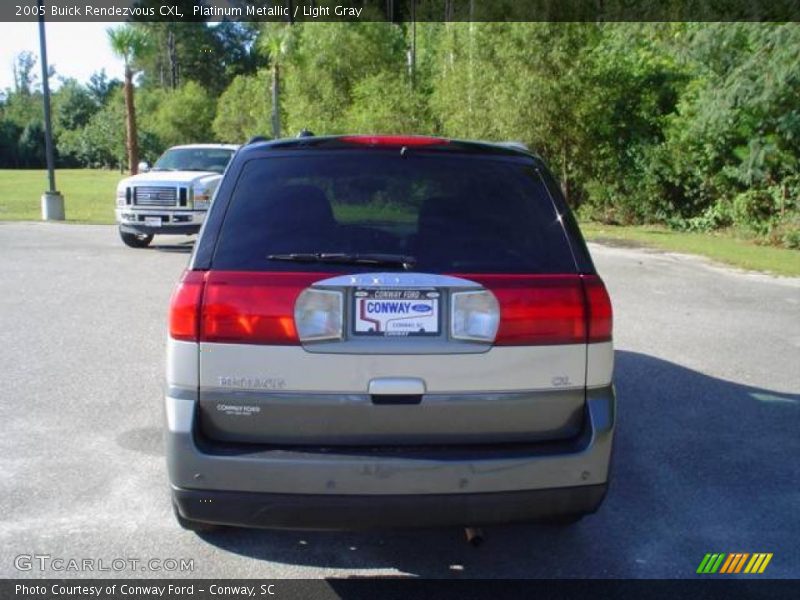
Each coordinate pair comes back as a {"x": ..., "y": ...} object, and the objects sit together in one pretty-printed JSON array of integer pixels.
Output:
[
  {"x": 717, "y": 216},
  {"x": 791, "y": 239},
  {"x": 786, "y": 232},
  {"x": 755, "y": 210},
  {"x": 244, "y": 109}
]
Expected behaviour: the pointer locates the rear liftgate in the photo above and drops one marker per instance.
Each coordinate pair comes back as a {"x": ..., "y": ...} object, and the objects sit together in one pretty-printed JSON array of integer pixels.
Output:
[{"x": 391, "y": 358}]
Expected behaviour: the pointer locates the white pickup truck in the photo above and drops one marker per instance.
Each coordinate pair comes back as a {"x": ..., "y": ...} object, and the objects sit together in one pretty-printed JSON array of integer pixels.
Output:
[{"x": 173, "y": 196}]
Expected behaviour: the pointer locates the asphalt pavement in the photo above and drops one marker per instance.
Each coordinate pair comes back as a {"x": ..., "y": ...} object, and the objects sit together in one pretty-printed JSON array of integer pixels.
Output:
[{"x": 706, "y": 456}]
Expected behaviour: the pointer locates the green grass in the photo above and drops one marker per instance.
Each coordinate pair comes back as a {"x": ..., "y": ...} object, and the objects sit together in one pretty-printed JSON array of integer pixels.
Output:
[
  {"x": 723, "y": 247},
  {"x": 88, "y": 194}
]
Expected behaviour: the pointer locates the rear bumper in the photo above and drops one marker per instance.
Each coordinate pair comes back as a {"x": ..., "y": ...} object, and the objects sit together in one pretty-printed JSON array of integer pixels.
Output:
[
  {"x": 329, "y": 512},
  {"x": 350, "y": 487}
]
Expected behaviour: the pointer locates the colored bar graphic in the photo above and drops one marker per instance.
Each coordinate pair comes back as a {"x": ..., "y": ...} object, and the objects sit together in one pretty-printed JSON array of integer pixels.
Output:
[
  {"x": 734, "y": 562},
  {"x": 710, "y": 563},
  {"x": 754, "y": 563},
  {"x": 717, "y": 564},
  {"x": 765, "y": 563},
  {"x": 740, "y": 564},
  {"x": 703, "y": 563},
  {"x": 731, "y": 558}
]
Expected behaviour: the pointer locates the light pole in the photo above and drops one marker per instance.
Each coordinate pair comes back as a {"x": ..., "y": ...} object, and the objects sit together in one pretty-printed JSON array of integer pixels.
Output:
[{"x": 52, "y": 200}]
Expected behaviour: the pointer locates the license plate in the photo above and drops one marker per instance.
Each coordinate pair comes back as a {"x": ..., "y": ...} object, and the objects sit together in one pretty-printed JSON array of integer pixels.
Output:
[
  {"x": 152, "y": 221},
  {"x": 396, "y": 312}
]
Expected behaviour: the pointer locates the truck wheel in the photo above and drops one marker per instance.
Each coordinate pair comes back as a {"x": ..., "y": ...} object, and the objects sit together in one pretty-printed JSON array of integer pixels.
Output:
[{"x": 136, "y": 240}]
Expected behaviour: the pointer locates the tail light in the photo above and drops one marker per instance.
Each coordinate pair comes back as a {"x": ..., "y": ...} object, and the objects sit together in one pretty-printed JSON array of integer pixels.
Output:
[
  {"x": 598, "y": 303},
  {"x": 538, "y": 309},
  {"x": 549, "y": 309},
  {"x": 184, "y": 307},
  {"x": 237, "y": 307},
  {"x": 252, "y": 308}
]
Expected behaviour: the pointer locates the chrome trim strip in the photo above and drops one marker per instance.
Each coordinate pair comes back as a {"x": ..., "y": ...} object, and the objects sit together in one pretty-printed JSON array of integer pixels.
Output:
[
  {"x": 326, "y": 398},
  {"x": 401, "y": 280}
]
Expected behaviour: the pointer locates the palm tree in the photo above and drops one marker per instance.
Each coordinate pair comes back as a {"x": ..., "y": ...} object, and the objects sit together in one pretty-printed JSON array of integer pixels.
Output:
[
  {"x": 129, "y": 44},
  {"x": 277, "y": 42}
]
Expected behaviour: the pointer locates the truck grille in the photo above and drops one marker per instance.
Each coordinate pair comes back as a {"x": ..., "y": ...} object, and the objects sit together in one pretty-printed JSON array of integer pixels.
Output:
[{"x": 155, "y": 196}]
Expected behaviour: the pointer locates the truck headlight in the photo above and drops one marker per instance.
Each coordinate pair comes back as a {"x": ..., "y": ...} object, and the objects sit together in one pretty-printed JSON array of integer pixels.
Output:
[
  {"x": 201, "y": 198},
  {"x": 121, "y": 194}
]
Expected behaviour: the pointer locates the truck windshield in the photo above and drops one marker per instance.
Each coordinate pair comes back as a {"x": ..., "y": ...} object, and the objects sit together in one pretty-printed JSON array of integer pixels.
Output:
[{"x": 194, "y": 159}]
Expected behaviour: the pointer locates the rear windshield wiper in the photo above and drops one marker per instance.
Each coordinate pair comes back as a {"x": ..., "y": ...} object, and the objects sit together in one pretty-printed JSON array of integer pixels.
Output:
[{"x": 342, "y": 258}]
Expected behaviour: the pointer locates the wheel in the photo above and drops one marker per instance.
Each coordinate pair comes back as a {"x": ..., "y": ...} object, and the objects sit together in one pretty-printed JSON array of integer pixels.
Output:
[
  {"x": 196, "y": 526},
  {"x": 136, "y": 240}
]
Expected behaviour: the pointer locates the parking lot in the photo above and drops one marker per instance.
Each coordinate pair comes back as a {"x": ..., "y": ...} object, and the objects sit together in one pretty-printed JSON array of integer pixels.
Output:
[{"x": 706, "y": 457}]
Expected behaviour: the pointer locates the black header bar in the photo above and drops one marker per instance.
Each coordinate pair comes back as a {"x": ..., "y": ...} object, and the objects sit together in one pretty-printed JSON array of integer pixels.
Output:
[{"x": 402, "y": 10}]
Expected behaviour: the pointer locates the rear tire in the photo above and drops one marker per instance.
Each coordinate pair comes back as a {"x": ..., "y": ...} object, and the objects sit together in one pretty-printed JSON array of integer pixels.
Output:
[
  {"x": 136, "y": 240},
  {"x": 196, "y": 526}
]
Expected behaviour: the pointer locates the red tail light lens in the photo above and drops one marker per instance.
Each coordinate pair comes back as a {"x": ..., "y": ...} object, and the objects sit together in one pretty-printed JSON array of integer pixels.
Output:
[
  {"x": 600, "y": 312},
  {"x": 252, "y": 308},
  {"x": 184, "y": 306},
  {"x": 537, "y": 309},
  {"x": 393, "y": 140}
]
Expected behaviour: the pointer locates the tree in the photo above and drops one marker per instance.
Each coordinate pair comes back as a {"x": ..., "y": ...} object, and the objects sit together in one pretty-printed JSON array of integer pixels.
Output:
[
  {"x": 326, "y": 62},
  {"x": 100, "y": 87},
  {"x": 9, "y": 144},
  {"x": 74, "y": 105},
  {"x": 195, "y": 51},
  {"x": 277, "y": 40},
  {"x": 31, "y": 145},
  {"x": 387, "y": 103},
  {"x": 24, "y": 76},
  {"x": 183, "y": 116},
  {"x": 519, "y": 81},
  {"x": 130, "y": 45},
  {"x": 244, "y": 108},
  {"x": 237, "y": 50},
  {"x": 102, "y": 142}
]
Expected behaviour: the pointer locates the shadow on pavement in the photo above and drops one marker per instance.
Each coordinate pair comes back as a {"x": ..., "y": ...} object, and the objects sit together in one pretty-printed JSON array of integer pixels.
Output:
[
  {"x": 701, "y": 465},
  {"x": 181, "y": 248}
]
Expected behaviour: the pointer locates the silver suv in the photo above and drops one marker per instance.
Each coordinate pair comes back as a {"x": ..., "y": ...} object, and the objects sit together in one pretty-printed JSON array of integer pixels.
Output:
[{"x": 381, "y": 331}]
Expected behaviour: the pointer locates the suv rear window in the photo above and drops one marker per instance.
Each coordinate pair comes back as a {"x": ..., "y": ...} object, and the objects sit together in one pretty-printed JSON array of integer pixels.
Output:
[{"x": 452, "y": 213}]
